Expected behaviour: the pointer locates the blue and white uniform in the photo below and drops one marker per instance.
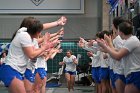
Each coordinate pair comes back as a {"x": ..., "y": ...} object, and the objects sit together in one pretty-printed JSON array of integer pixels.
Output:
[
  {"x": 118, "y": 65},
  {"x": 41, "y": 67},
  {"x": 70, "y": 65},
  {"x": 104, "y": 70},
  {"x": 96, "y": 66},
  {"x": 16, "y": 60},
  {"x": 95, "y": 60},
  {"x": 132, "y": 61},
  {"x": 29, "y": 73},
  {"x": 111, "y": 72}
]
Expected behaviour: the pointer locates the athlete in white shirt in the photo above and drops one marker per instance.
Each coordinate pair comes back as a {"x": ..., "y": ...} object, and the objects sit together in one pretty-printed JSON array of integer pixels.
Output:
[
  {"x": 21, "y": 49},
  {"x": 104, "y": 70},
  {"x": 70, "y": 71},
  {"x": 118, "y": 78},
  {"x": 130, "y": 53},
  {"x": 29, "y": 76},
  {"x": 95, "y": 69},
  {"x": 41, "y": 63},
  {"x": 93, "y": 47},
  {"x": 116, "y": 69},
  {"x": 35, "y": 80}
]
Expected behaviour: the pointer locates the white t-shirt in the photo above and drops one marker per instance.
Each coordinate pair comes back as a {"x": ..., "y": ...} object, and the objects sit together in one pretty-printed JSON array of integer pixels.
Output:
[
  {"x": 31, "y": 62},
  {"x": 110, "y": 62},
  {"x": 92, "y": 59},
  {"x": 46, "y": 68},
  {"x": 93, "y": 48},
  {"x": 2, "y": 60},
  {"x": 103, "y": 62},
  {"x": 16, "y": 57},
  {"x": 70, "y": 66},
  {"x": 96, "y": 62},
  {"x": 132, "y": 59},
  {"x": 89, "y": 48},
  {"x": 41, "y": 63},
  {"x": 37, "y": 62},
  {"x": 117, "y": 65}
]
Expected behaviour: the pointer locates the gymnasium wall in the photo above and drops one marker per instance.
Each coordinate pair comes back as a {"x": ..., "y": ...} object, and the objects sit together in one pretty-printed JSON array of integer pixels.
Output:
[{"x": 85, "y": 25}]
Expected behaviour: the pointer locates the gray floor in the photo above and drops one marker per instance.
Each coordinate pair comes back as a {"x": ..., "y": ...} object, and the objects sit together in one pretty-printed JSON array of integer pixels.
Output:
[
  {"x": 78, "y": 89},
  {"x": 61, "y": 89}
]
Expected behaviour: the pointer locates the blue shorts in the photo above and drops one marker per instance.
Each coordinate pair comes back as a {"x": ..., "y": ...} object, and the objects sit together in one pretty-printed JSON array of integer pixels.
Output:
[
  {"x": 104, "y": 73},
  {"x": 42, "y": 72},
  {"x": 7, "y": 74},
  {"x": 134, "y": 78},
  {"x": 112, "y": 78},
  {"x": 70, "y": 72},
  {"x": 2, "y": 64},
  {"x": 96, "y": 74},
  {"x": 121, "y": 77},
  {"x": 29, "y": 75}
]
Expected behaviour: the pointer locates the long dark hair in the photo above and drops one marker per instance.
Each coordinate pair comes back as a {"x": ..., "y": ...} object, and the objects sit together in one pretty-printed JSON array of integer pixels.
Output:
[
  {"x": 32, "y": 24},
  {"x": 117, "y": 21},
  {"x": 126, "y": 28}
]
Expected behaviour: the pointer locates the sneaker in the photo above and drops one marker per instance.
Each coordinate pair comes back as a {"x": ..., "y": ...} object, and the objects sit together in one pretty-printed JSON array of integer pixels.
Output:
[{"x": 92, "y": 84}]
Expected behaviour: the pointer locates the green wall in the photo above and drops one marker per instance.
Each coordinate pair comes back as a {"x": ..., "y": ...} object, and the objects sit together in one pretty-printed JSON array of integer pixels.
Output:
[{"x": 53, "y": 65}]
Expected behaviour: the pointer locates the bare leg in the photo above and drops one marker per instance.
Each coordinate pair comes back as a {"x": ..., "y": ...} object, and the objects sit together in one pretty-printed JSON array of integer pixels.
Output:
[
  {"x": 104, "y": 86},
  {"x": 112, "y": 88},
  {"x": 72, "y": 78},
  {"x": 120, "y": 86},
  {"x": 99, "y": 88},
  {"x": 28, "y": 86},
  {"x": 109, "y": 86},
  {"x": 130, "y": 88},
  {"x": 16, "y": 86},
  {"x": 96, "y": 87},
  {"x": 68, "y": 80},
  {"x": 38, "y": 83},
  {"x": 43, "y": 90}
]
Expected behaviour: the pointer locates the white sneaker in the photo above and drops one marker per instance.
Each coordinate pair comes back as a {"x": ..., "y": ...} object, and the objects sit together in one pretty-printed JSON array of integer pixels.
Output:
[{"x": 92, "y": 84}]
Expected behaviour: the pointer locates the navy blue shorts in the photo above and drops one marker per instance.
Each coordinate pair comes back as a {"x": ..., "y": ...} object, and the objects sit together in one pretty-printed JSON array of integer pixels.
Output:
[
  {"x": 134, "y": 78},
  {"x": 121, "y": 77},
  {"x": 96, "y": 74},
  {"x": 7, "y": 74},
  {"x": 112, "y": 78},
  {"x": 29, "y": 75},
  {"x": 104, "y": 74},
  {"x": 42, "y": 72},
  {"x": 70, "y": 72},
  {"x": 2, "y": 64}
]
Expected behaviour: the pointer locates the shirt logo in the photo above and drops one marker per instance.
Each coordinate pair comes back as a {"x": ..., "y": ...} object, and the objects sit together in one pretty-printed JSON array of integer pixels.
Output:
[{"x": 37, "y": 2}]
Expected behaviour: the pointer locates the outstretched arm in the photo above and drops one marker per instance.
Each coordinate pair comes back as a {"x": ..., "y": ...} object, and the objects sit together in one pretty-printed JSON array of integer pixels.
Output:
[
  {"x": 62, "y": 21},
  {"x": 113, "y": 53}
]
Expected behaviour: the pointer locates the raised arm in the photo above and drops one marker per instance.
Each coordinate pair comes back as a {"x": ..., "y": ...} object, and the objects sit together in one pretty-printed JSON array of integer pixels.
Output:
[
  {"x": 113, "y": 53},
  {"x": 62, "y": 21},
  {"x": 31, "y": 52}
]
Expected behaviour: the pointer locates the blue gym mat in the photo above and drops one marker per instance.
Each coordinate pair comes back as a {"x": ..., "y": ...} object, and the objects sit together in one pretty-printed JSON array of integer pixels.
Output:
[{"x": 50, "y": 85}]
